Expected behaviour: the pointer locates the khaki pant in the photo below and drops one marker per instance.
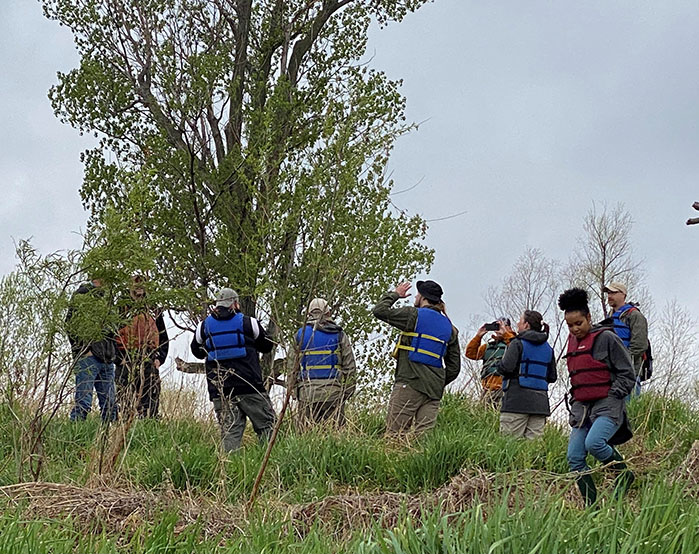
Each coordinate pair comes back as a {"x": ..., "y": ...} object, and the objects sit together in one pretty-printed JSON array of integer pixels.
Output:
[
  {"x": 314, "y": 413},
  {"x": 407, "y": 407},
  {"x": 522, "y": 425}
]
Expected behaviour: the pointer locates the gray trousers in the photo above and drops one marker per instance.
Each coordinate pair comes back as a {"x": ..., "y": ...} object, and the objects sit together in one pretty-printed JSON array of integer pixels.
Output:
[{"x": 233, "y": 412}]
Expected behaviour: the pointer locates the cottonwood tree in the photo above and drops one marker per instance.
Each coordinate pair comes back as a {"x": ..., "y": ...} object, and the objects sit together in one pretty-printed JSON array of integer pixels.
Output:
[
  {"x": 259, "y": 143},
  {"x": 605, "y": 254}
]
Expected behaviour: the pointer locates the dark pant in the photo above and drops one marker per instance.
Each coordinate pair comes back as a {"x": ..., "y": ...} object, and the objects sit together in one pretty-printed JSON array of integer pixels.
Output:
[
  {"x": 92, "y": 374},
  {"x": 233, "y": 412},
  {"x": 138, "y": 388}
]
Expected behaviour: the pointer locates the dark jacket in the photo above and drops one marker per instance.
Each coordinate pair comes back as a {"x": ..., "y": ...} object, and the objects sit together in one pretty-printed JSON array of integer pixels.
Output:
[
  {"x": 517, "y": 399},
  {"x": 104, "y": 348},
  {"x": 239, "y": 375},
  {"x": 638, "y": 344},
  {"x": 609, "y": 350},
  {"x": 423, "y": 378}
]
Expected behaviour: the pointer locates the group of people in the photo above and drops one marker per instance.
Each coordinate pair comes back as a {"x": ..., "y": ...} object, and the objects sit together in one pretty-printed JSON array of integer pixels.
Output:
[
  {"x": 120, "y": 365},
  {"x": 605, "y": 365},
  {"x": 603, "y": 360}
]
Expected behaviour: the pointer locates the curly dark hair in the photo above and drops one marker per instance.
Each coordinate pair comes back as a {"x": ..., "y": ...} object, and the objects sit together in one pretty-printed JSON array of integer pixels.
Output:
[{"x": 574, "y": 300}]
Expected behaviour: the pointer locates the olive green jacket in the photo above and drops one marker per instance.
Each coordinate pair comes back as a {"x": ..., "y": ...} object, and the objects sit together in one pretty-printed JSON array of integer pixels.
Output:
[
  {"x": 423, "y": 378},
  {"x": 639, "y": 336}
]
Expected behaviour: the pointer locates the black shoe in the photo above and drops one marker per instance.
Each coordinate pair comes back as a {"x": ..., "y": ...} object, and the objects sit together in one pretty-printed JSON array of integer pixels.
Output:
[
  {"x": 587, "y": 488},
  {"x": 625, "y": 477}
]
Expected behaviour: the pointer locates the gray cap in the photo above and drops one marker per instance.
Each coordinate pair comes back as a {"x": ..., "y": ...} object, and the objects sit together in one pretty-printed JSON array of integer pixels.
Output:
[{"x": 226, "y": 297}]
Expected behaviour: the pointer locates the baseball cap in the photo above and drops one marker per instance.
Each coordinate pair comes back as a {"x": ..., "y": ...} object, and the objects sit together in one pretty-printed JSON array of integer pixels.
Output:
[
  {"x": 318, "y": 305},
  {"x": 615, "y": 287},
  {"x": 225, "y": 298},
  {"x": 430, "y": 290}
]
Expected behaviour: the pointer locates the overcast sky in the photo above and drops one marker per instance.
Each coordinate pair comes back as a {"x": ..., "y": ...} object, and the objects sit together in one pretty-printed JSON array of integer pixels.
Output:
[{"x": 531, "y": 111}]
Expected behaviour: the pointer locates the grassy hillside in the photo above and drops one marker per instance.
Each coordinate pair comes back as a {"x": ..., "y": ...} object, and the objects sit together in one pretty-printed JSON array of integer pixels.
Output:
[{"x": 461, "y": 488}]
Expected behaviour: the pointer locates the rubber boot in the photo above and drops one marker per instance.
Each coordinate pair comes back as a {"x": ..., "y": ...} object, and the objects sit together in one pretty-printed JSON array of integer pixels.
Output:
[
  {"x": 625, "y": 476},
  {"x": 587, "y": 489}
]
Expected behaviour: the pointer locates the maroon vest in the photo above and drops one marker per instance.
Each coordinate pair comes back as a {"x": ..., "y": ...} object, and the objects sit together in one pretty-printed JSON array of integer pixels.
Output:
[{"x": 590, "y": 378}]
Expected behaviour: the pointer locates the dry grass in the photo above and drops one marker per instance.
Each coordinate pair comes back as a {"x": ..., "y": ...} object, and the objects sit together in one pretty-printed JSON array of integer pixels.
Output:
[
  {"x": 348, "y": 512},
  {"x": 688, "y": 471},
  {"x": 100, "y": 507}
]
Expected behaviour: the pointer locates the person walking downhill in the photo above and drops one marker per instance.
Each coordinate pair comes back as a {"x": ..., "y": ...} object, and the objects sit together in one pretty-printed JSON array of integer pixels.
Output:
[
  {"x": 92, "y": 344},
  {"x": 491, "y": 353},
  {"x": 327, "y": 368},
  {"x": 142, "y": 347},
  {"x": 630, "y": 325},
  {"x": 527, "y": 367},
  {"x": 427, "y": 355},
  {"x": 601, "y": 376},
  {"x": 231, "y": 343}
]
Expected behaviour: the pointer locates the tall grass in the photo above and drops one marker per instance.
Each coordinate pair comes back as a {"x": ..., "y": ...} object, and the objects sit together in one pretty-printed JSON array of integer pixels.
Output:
[{"x": 183, "y": 455}]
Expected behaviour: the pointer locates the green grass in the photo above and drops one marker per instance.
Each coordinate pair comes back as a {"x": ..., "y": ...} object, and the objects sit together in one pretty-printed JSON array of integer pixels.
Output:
[{"x": 184, "y": 456}]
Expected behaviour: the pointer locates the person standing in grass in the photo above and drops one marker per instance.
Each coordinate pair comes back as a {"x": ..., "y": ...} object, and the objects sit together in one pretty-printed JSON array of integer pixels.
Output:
[
  {"x": 142, "y": 347},
  {"x": 427, "y": 354},
  {"x": 491, "y": 353},
  {"x": 90, "y": 332},
  {"x": 601, "y": 376},
  {"x": 327, "y": 368},
  {"x": 231, "y": 344},
  {"x": 630, "y": 325},
  {"x": 527, "y": 367}
]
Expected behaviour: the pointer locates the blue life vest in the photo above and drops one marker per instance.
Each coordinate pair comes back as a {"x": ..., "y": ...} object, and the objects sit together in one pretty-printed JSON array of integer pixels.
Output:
[
  {"x": 224, "y": 338},
  {"x": 622, "y": 330},
  {"x": 534, "y": 364},
  {"x": 319, "y": 353},
  {"x": 429, "y": 341}
]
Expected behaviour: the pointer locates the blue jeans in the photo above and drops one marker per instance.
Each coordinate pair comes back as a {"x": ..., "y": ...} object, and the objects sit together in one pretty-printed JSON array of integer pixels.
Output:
[
  {"x": 592, "y": 438},
  {"x": 93, "y": 374}
]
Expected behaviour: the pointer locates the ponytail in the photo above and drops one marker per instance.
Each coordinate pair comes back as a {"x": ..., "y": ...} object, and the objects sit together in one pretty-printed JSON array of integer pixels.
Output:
[{"x": 536, "y": 321}]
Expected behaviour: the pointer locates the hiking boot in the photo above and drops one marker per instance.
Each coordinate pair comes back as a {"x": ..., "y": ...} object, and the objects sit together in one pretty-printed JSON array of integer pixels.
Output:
[
  {"x": 625, "y": 476},
  {"x": 587, "y": 488}
]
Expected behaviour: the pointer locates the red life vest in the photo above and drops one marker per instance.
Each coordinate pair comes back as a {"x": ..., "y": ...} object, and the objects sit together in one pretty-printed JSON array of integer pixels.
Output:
[{"x": 590, "y": 379}]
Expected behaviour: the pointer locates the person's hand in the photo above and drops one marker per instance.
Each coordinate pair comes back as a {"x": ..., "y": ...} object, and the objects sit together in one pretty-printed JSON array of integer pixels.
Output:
[
  {"x": 156, "y": 364},
  {"x": 481, "y": 332},
  {"x": 504, "y": 329},
  {"x": 402, "y": 289}
]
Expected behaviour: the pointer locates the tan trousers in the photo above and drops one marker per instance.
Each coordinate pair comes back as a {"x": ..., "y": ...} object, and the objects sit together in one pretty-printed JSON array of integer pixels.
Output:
[
  {"x": 313, "y": 413},
  {"x": 407, "y": 407},
  {"x": 522, "y": 425}
]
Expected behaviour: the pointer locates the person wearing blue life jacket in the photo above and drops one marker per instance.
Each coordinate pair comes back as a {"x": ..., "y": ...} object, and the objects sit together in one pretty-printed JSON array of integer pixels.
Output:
[
  {"x": 427, "y": 354},
  {"x": 231, "y": 343},
  {"x": 327, "y": 370},
  {"x": 527, "y": 367},
  {"x": 630, "y": 325}
]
